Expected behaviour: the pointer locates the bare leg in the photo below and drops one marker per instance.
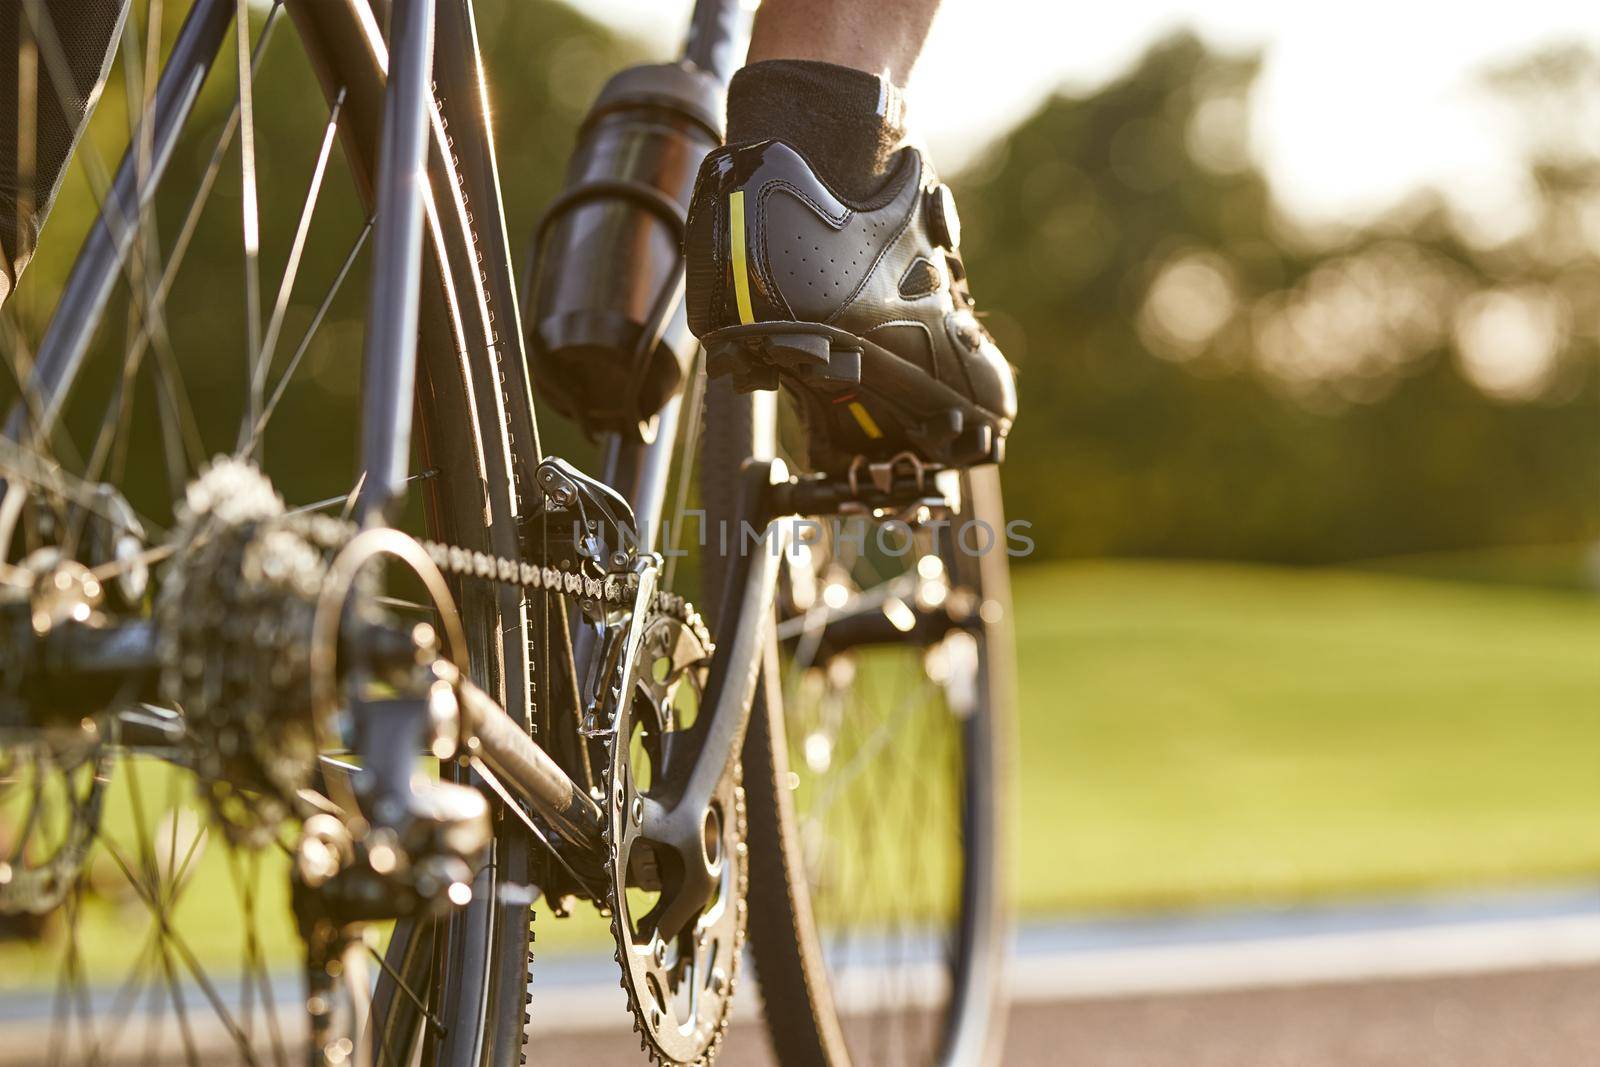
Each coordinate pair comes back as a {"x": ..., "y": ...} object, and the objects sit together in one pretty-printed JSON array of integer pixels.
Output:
[{"x": 877, "y": 36}]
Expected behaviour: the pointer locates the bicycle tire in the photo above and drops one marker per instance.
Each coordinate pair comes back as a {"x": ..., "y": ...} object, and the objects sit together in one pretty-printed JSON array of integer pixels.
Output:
[
  {"x": 478, "y": 959},
  {"x": 806, "y": 1021}
]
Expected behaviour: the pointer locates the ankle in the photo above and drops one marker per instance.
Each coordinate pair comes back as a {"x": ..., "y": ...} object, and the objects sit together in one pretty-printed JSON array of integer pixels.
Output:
[{"x": 846, "y": 122}]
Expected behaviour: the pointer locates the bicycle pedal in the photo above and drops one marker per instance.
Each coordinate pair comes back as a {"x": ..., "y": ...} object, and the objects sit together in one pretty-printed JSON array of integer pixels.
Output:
[
  {"x": 902, "y": 486},
  {"x": 593, "y": 727},
  {"x": 961, "y": 442}
]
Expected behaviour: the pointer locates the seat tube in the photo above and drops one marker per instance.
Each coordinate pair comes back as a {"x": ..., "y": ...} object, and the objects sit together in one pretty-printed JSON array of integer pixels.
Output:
[
  {"x": 713, "y": 39},
  {"x": 389, "y": 357}
]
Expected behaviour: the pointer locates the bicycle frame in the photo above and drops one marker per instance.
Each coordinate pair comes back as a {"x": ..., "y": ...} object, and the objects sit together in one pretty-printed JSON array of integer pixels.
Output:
[{"x": 434, "y": 83}]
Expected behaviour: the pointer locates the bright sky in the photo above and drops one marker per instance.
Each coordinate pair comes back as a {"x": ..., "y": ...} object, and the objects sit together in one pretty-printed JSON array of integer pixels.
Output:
[{"x": 1359, "y": 101}]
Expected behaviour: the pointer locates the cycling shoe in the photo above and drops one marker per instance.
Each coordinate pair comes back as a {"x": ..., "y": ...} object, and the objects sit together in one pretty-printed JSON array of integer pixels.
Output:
[{"x": 861, "y": 309}]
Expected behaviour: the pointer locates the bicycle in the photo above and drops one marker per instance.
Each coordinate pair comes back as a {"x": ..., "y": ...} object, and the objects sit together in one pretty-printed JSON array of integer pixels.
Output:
[{"x": 388, "y": 724}]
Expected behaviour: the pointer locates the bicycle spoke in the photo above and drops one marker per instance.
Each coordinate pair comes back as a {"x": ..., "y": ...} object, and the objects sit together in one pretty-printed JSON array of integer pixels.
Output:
[
  {"x": 112, "y": 424},
  {"x": 308, "y": 208},
  {"x": 251, "y": 213},
  {"x": 172, "y": 392},
  {"x": 20, "y": 363},
  {"x": 140, "y": 974},
  {"x": 139, "y": 77},
  {"x": 305, "y": 341},
  {"x": 180, "y": 430},
  {"x": 127, "y": 996},
  {"x": 149, "y": 300},
  {"x": 180, "y": 453},
  {"x": 69, "y": 1000},
  {"x": 433, "y": 1022},
  {"x": 864, "y": 756},
  {"x": 17, "y": 358},
  {"x": 219, "y": 152},
  {"x": 185, "y": 955},
  {"x": 878, "y": 751},
  {"x": 148, "y": 890},
  {"x": 27, "y": 117},
  {"x": 60, "y": 77},
  {"x": 17, "y": 462},
  {"x": 345, "y": 500},
  {"x": 46, "y": 445},
  {"x": 258, "y": 963},
  {"x": 180, "y": 1010}
]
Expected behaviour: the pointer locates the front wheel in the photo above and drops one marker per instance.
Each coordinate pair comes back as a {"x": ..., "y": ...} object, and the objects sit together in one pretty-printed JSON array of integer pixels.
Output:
[{"x": 876, "y": 775}]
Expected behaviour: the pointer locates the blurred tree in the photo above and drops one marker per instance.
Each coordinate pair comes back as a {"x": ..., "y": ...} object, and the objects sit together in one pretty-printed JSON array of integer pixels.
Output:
[{"x": 1200, "y": 379}]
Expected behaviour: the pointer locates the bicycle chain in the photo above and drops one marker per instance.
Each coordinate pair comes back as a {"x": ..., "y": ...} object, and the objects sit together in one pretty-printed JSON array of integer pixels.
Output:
[{"x": 614, "y": 589}]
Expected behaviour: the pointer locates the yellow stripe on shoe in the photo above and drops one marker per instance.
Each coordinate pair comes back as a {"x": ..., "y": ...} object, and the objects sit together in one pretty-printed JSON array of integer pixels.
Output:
[
  {"x": 741, "y": 273},
  {"x": 869, "y": 426}
]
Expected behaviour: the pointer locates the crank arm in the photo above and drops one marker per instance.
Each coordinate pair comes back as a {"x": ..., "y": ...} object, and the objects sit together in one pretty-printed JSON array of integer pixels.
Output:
[
  {"x": 747, "y": 615},
  {"x": 746, "y": 622}
]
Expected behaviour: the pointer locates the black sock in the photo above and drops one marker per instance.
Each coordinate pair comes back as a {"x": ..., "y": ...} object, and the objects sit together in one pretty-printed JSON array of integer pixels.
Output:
[{"x": 847, "y": 122}]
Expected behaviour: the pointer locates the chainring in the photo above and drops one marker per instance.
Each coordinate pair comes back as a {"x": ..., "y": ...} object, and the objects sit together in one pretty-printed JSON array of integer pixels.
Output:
[{"x": 680, "y": 990}]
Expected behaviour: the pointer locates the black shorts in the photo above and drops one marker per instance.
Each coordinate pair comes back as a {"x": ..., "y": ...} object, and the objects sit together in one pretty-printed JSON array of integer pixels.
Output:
[{"x": 51, "y": 73}]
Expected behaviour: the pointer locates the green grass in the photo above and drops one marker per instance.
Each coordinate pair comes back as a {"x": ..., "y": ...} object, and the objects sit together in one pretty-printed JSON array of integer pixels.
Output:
[
  {"x": 1196, "y": 734},
  {"x": 1201, "y": 734},
  {"x": 1573, "y": 566}
]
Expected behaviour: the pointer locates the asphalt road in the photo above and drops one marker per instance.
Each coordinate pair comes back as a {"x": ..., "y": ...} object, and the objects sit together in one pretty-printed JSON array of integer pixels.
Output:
[
  {"x": 1507, "y": 980},
  {"x": 1547, "y": 1018}
]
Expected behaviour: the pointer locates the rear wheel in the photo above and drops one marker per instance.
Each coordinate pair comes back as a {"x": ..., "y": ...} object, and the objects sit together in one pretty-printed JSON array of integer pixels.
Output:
[
  {"x": 875, "y": 770},
  {"x": 146, "y": 929}
]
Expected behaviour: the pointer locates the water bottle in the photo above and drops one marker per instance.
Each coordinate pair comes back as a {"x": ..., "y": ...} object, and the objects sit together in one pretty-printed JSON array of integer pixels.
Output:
[{"x": 605, "y": 317}]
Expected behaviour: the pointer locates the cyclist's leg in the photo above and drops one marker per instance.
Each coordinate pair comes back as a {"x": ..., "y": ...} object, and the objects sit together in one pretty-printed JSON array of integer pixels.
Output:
[
  {"x": 54, "y": 55},
  {"x": 877, "y": 36},
  {"x": 826, "y": 76}
]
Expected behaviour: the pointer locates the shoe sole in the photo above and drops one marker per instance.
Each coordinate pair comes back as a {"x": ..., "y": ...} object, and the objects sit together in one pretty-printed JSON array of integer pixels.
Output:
[{"x": 868, "y": 400}]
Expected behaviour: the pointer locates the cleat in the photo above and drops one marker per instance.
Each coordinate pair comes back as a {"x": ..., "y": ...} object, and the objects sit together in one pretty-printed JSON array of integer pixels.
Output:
[
  {"x": 795, "y": 350},
  {"x": 944, "y": 427},
  {"x": 844, "y": 366},
  {"x": 725, "y": 358},
  {"x": 976, "y": 439},
  {"x": 752, "y": 377}
]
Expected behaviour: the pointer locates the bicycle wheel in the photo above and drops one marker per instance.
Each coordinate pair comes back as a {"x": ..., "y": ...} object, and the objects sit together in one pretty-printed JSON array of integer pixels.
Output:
[
  {"x": 875, "y": 770},
  {"x": 152, "y": 929}
]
